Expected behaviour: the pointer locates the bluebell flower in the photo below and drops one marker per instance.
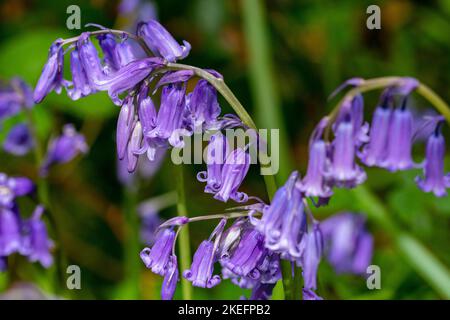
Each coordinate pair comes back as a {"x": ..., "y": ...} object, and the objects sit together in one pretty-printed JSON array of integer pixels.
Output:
[
  {"x": 348, "y": 246},
  {"x": 51, "y": 78},
  {"x": 19, "y": 140},
  {"x": 247, "y": 255},
  {"x": 171, "y": 278},
  {"x": 108, "y": 45},
  {"x": 314, "y": 183},
  {"x": 435, "y": 180},
  {"x": 124, "y": 128},
  {"x": 217, "y": 152},
  {"x": 312, "y": 255},
  {"x": 64, "y": 148},
  {"x": 90, "y": 61},
  {"x": 202, "y": 268},
  {"x": 10, "y": 231},
  {"x": 158, "y": 257},
  {"x": 134, "y": 146},
  {"x": 203, "y": 105},
  {"x": 374, "y": 153},
  {"x": 12, "y": 188},
  {"x": 343, "y": 170},
  {"x": 161, "y": 42},
  {"x": 80, "y": 86},
  {"x": 36, "y": 243},
  {"x": 283, "y": 223},
  {"x": 399, "y": 144},
  {"x": 170, "y": 115},
  {"x": 234, "y": 171}
]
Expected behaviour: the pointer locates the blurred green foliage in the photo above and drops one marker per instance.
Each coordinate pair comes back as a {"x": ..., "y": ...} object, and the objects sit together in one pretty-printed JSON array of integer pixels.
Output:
[{"x": 314, "y": 45}]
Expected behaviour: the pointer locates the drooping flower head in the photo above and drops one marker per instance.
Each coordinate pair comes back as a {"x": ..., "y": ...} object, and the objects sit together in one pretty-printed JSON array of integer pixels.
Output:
[
  {"x": 314, "y": 183},
  {"x": 171, "y": 278},
  {"x": 157, "y": 258},
  {"x": 52, "y": 74},
  {"x": 234, "y": 171},
  {"x": 64, "y": 148},
  {"x": 12, "y": 188},
  {"x": 37, "y": 244},
  {"x": 203, "y": 105},
  {"x": 80, "y": 86},
  {"x": 10, "y": 231},
  {"x": 19, "y": 140},
  {"x": 201, "y": 271},
  {"x": 343, "y": 170},
  {"x": 348, "y": 246},
  {"x": 399, "y": 144},
  {"x": 217, "y": 152},
  {"x": 283, "y": 223},
  {"x": 312, "y": 255},
  {"x": 161, "y": 42},
  {"x": 374, "y": 153},
  {"x": 435, "y": 180}
]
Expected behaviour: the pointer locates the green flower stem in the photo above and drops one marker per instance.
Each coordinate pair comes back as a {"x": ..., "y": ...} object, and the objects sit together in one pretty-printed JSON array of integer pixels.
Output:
[
  {"x": 183, "y": 240},
  {"x": 415, "y": 253},
  {"x": 131, "y": 244}
]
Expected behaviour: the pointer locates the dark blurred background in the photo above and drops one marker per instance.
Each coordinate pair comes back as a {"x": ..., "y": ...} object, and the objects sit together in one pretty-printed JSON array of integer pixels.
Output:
[{"x": 313, "y": 46}]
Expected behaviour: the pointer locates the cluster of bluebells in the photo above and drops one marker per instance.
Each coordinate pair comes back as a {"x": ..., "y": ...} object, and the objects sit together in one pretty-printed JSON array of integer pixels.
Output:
[
  {"x": 27, "y": 237},
  {"x": 387, "y": 143},
  {"x": 249, "y": 251},
  {"x": 143, "y": 128}
]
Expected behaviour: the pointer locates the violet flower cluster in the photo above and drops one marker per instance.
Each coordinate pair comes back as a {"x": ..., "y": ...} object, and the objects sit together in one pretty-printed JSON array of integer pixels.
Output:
[
  {"x": 387, "y": 143},
  {"x": 250, "y": 250},
  {"x": 27, "y": 237}
]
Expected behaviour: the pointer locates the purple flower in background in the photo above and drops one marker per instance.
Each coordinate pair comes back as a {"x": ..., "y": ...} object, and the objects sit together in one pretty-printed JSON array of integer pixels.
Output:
[
  {"x": 37, "y": 244},
  {"x": 80, "y": 83},
  {"x": 159, "y": 255},
  {"x": 374, "y": 153},
  {"x": 201, "y": 271},
  {"x": 314, "y": 184},
  {"x": 312, "y": 256},
  {"x": 234, "y": 171},
  {"x": 216, "y": 154},
  {"x": 310, "y": 295},
  {"x": 399, "y": 144},
  {"x": 171, "y": 278},
  {"x": 161, "y": 42},
  {"x": 3, "y": 264},
  {"x": 10, "y": 231},
  {"x": 435, "y": 180},
  {"x": 52, "y": 74},
  {"x": 203, "y": 105},
  {"x": 283, "y": 223},
  {"x": 13, "y": 187},
  {"x": 348, "y": 246},
  {"x": 64, "y": 148},
  {"x": 150, "y": 220},
  {"x": 19, "y": 140},
  {"x": 343, "y": 170},
  {"x": 14, "y": 96}
]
